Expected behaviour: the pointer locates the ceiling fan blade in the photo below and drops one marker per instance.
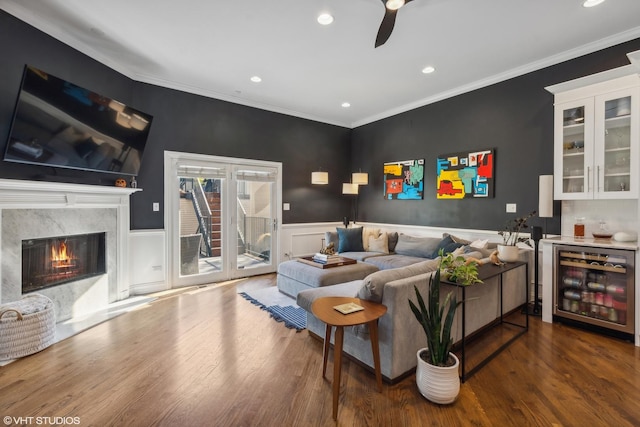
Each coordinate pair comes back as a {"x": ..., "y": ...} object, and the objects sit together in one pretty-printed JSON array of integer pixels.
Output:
[{"x": 386, "y": 27}]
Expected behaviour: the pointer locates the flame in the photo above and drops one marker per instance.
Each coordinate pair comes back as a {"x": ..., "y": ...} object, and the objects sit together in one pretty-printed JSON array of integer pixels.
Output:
[{"x": 59, "y": 255}]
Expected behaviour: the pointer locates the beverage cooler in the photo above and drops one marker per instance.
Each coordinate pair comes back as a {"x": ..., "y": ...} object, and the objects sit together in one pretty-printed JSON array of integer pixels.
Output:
[{"x": 595, "y": 286}]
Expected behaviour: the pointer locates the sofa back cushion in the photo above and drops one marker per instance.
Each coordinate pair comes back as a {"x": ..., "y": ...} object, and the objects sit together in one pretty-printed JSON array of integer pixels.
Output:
[
  {"x": 373, "y": 285},
  {"x": 422, "y": 247}
]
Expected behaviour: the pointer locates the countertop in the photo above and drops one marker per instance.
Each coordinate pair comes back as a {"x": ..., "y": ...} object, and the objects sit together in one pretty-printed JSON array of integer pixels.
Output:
[{"x": 591, "y": 242}]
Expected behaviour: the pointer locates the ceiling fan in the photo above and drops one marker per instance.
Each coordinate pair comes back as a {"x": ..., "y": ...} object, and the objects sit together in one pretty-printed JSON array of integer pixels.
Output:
[{"x": 389, "y": 20}]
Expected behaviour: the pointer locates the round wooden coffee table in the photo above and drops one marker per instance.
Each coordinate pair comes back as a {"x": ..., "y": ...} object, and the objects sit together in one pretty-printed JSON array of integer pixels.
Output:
[{"x": 323, "y": 309}]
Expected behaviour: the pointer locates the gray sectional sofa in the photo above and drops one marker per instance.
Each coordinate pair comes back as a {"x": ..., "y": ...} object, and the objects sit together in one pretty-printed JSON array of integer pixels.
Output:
[{"x": 400, "y": 335}]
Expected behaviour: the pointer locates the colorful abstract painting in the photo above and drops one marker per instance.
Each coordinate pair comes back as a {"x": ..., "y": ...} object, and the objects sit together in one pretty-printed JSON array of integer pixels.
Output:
[
  {"x": 404, "y": 180},
  {"x": 462, "y": 175}
]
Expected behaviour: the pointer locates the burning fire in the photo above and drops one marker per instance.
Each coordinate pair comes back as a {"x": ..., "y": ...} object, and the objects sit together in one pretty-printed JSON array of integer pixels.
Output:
[{"x": 60, "y": 257}]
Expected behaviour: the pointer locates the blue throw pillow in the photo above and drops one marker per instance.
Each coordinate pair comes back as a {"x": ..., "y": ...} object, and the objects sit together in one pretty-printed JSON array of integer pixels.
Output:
[
  {"x": 350, "y": 239},
  {"x": 447, "y": 245}
]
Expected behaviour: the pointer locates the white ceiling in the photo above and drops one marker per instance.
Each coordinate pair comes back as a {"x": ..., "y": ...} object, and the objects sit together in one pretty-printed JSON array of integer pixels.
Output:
[{"x": 213, "y": 47}]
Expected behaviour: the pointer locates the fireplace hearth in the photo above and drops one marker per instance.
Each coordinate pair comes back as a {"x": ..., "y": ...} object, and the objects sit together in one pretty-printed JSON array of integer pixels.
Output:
[{"x": 52, "y": 261}]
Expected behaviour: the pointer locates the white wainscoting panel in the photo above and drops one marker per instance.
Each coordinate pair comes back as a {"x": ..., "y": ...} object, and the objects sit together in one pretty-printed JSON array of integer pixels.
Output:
[{"x": 147, "y": 261}]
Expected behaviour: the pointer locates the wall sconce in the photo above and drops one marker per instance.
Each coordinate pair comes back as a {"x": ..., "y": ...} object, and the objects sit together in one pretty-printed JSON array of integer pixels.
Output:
[
  {"x": 320, "y": 178},
  {"x": 349, "y": 188},
  {"x": 360, "y": 178}
]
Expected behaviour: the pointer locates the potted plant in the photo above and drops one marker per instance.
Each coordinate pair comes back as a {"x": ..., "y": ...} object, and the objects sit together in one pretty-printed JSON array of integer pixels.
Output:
[
  {"x": 509, "y": 251},
  {"x": 437, "y": 370},
  {"x": 457, "y": 268}
]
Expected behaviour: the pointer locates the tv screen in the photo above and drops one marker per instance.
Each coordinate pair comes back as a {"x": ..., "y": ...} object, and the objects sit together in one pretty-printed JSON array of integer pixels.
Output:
[{"x": 57, "y": 123}]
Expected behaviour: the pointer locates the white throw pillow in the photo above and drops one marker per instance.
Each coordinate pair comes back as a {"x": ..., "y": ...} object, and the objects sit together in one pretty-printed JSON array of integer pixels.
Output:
[
  {"x": 379, "y": 244},
  {"x": 366, "y": 232},
  {"x": 480, "y": 244}
]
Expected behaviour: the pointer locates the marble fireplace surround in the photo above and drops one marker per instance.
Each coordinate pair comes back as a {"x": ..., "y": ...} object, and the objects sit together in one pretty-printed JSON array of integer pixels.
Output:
[{"x": 34, "y": 209}]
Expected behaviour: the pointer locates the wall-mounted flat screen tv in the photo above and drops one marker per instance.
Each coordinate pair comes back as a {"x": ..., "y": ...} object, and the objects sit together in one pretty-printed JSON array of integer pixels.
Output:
[{"x": 57, "y": 123}]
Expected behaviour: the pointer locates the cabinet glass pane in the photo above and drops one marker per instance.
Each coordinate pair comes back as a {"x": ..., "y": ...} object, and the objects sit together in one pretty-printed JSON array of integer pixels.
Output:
[
  {"x": 573, "y": 173},
  {"x": 617, "y": 145}
]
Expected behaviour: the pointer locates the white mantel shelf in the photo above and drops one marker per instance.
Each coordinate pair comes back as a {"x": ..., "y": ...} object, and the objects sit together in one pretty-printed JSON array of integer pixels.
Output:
[{"x": 19, "y": 194}]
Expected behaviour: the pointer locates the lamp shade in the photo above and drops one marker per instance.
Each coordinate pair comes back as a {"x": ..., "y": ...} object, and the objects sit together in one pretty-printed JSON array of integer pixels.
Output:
[
  {"x": 321, "y": 178},
  {"x": 349, "y": 188},
  {"x": 545, "y": 196},
  {"x": 360, "y": 178}
]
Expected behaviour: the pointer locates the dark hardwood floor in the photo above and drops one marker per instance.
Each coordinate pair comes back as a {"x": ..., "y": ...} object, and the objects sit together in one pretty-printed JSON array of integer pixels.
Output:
[{"x": 207, "y": 357}]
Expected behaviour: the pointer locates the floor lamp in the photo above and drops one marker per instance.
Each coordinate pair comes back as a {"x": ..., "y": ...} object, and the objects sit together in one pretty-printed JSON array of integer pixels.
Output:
[
  {"x": 545, "y": 210},
  {"x": 536, "y": 235}
]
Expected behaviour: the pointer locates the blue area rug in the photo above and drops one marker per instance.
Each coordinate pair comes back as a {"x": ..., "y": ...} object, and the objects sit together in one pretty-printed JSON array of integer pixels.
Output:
[{"x": 280, "y": 307}]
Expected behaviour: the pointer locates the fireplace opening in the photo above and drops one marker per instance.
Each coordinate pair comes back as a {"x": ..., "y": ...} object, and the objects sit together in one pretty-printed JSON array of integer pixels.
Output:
[{"x": 56, "y": 260}]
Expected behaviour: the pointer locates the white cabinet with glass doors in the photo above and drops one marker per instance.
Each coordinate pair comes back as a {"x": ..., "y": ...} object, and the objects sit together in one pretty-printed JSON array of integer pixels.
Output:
[{"x": 596, "y": 133}]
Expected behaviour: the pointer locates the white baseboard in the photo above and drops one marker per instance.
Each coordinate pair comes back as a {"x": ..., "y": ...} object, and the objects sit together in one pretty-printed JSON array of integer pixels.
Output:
[{"x": 147, "y": 288}]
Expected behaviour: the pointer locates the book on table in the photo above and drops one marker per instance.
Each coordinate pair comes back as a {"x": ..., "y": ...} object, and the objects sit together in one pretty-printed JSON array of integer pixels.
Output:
[
  {"x": 350, "y": 307},
  {"x": 325, "y": 258}
]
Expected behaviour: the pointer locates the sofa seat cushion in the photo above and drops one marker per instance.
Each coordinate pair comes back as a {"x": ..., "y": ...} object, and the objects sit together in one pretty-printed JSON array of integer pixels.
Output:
[
  {"x": 387, "y": 262},
  {"x": 373, "y": 285}
]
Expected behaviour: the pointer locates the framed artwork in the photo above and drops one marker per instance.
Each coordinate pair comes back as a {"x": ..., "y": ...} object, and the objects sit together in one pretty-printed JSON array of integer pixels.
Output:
[
  {"x": 404, "y": 180},
  {"x": 463, "y": 175}
]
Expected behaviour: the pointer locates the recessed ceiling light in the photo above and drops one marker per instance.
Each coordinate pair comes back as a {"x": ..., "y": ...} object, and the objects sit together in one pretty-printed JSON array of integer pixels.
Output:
[
  {"x": 428, "y": 70},
  {"x": 256, "y": 79},
  {"x": 591, "y": 3},
  {"x": 346, "y": 105},
  {"x": 325, "y": 19}
]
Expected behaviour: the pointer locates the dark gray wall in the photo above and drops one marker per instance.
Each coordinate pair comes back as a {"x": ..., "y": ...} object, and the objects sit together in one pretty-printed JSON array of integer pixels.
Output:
[
  {"x": 195, "y": 124},
  {"x": 182, "y": 122},
  {"x": 514, "y": 117}
]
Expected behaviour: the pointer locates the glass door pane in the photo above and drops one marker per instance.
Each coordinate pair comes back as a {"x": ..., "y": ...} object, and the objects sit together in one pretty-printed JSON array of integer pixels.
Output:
[
  {"x": 617, "y": 145},
  {"x": 200, "y": 219},
  {"x": 573, "y": 152},
  {"x": 254, "y": 219}
]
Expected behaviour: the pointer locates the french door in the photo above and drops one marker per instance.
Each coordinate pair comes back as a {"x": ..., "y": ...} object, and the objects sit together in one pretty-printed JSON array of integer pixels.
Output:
[{"x": 221, "y": 217}]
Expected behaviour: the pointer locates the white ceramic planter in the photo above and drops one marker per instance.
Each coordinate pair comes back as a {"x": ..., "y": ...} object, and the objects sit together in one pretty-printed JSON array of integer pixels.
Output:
[
  {"x": 438, "y": 384},
  {"x": 508, "y": 253}
]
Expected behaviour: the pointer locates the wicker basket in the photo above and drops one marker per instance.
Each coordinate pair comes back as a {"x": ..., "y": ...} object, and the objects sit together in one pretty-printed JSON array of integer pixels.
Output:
[{"x": 27, "y": 326}]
